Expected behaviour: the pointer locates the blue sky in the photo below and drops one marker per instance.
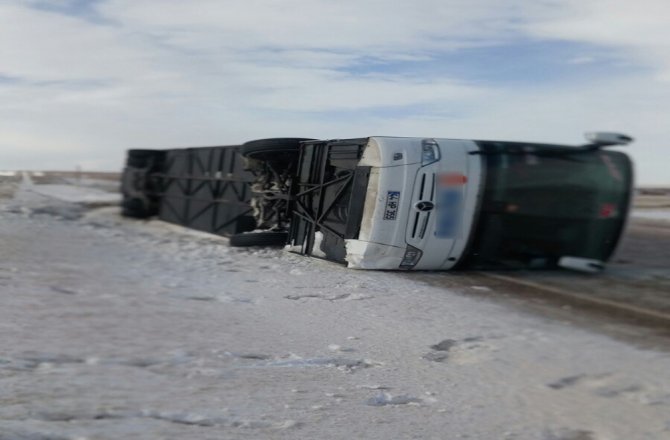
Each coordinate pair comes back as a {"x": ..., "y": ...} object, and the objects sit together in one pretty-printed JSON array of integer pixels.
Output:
[
  {"x": 85, "y": 9},
  {"x": 82, "y": 81},
  {"x": 519, "y": 63}
]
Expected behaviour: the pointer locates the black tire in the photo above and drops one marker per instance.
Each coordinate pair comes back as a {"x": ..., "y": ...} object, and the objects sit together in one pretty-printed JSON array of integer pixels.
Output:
[
  {"x": 245, "y": 223},
  {"x": 135, "y": 208},
  {"x": 143, "y": 158},
  {"x": 259, "y": 239},
  {"x": 263, "y": 149}
]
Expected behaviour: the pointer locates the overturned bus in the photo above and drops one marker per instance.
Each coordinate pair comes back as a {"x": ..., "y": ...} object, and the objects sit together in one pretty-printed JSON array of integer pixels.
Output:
[{"x": 397, "y": 203}]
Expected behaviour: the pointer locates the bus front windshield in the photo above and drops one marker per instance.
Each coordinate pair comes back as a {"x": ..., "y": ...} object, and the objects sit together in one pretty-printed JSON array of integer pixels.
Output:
[{"x": 543, "y": 202}]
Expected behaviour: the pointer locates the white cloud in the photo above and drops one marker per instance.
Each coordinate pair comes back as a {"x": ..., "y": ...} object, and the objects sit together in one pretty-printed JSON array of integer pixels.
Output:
[
  {"x": 640, "y": 30},
  {"x": 38, "y": 45},
  {"x": 375, "y": 26},
  {"x": 584, "y": 59}
]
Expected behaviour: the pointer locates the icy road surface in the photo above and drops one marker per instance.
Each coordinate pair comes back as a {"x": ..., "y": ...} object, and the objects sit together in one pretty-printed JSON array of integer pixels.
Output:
[{"x": 120, "y": 329}]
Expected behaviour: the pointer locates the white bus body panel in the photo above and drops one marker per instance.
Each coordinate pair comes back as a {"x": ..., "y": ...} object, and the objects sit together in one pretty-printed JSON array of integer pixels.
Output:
[
  {"x": 396, "y": 176},
  {"x": 457, "y": 173}
]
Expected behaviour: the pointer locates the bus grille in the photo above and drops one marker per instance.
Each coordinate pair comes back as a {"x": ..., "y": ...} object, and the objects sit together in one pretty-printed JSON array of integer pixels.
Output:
[{"x": 425, "y": 192}]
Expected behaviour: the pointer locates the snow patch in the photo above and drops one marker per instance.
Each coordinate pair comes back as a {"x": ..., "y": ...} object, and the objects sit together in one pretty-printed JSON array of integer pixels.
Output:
[
  {"x": 316, "y": 249},
  {"x": 384, "y": 399},
  {"x": 652, "y": 214},
  {"x": 367, "y": 255},
  {"x": 373, "y": 387},
  {"x": 332, "y": 298},
  {"x": 336, "y": 347},
  {"x": 343, "y": 364},
  {"x": 77, "y": 194}
]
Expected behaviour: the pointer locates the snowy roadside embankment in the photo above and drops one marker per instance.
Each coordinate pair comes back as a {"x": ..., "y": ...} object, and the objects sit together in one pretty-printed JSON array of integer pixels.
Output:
[
  {"x": 114, "y": 328},
  {"x": 61, "y": 200},
  {"x": 652, "y": 214},
  {"x": 77, "y": 194}
]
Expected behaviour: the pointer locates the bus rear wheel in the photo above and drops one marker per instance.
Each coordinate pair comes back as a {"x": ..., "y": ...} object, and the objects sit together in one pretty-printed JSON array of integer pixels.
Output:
[
  {"x": 144, "y": 158},
  {"x": 135, "y": 208}
]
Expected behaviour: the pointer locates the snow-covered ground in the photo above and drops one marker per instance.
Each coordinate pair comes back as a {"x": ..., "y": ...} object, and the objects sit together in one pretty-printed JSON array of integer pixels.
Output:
[
  {"x": 652, "y": 214},
  {"x": 121, "y": 329},
  {"x": 72, "y": 193}
]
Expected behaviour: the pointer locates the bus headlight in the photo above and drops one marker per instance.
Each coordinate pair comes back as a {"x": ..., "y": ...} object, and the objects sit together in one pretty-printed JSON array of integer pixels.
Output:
[
  {"x": 411, "y": 257},
  {"x": 430, "y": 152}
]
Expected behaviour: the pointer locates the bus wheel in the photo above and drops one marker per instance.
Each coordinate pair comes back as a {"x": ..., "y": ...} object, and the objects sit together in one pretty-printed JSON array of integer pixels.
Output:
[
  {"x": 245, "y": 223},
  {"x": 259, "y": 239},
  {"x": 143, "y": 158},
  {"x": 135, "y": 208},
  {"x": 269, "y": 149}
]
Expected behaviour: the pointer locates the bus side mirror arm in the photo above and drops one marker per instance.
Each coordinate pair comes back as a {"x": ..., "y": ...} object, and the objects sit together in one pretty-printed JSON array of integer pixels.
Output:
[{"x": 601, "y": 139}]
